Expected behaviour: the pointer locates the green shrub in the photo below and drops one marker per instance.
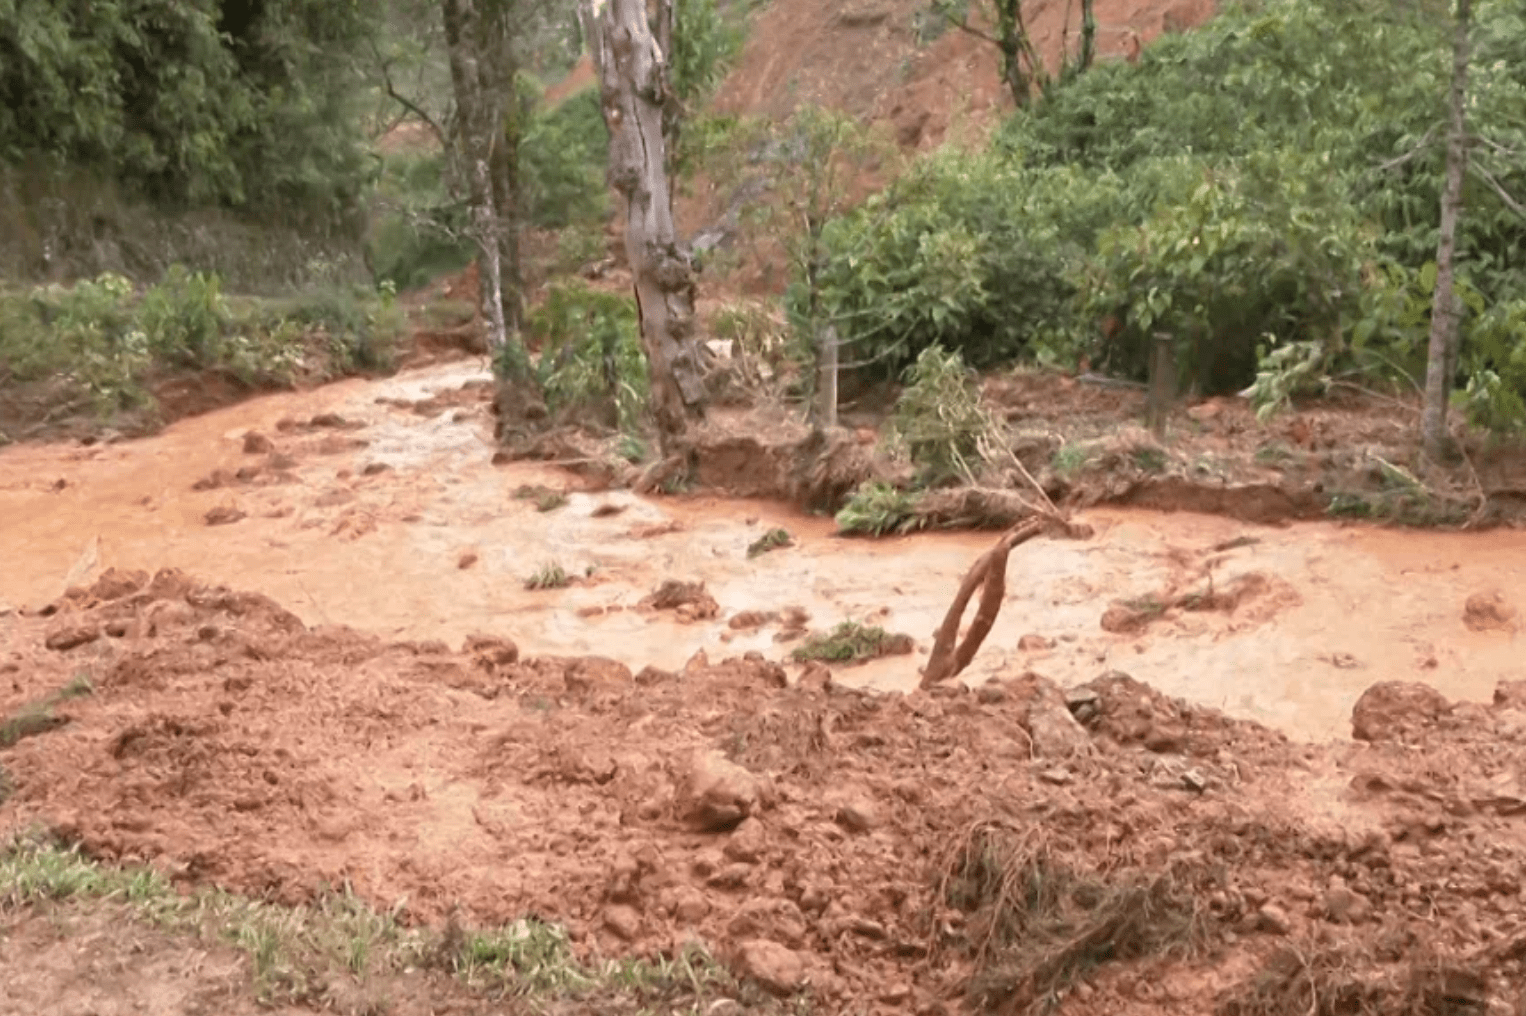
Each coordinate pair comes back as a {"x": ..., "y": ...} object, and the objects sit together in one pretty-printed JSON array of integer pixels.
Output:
[
  {"x": 562, "y": 158},
  {"x": 940, "y": 419},
  {"x": 590, "y": 351},
  {"x": 876, "y": 509},
  {"x": 419, "y": 232}
]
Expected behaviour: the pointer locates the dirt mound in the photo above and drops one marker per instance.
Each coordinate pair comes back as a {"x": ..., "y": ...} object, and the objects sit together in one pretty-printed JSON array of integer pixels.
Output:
[{"x": 818, "y": 836}]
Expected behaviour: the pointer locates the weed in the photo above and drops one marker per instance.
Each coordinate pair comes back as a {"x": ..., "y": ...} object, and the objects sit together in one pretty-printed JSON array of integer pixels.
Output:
[
  {"x": 848, "y": 642},
  {"x": 631, "y": 449},
  {"x": 877, "y": 508},
  {"x": 1275, "y": 454},
  {"x": 591, "y": 353},
  {"x": 771, "y": 540},
  {"x": 546, "y": 499},
  {"x": 549, "y": 576},
  {"x": 1149, "y": 605},
  {"x": 37, "y": 717},
  {"x": 1071, "y": 458}
]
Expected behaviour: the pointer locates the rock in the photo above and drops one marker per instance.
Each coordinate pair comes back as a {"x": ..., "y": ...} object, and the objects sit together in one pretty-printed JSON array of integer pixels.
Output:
[
  {"x": 623, "y": 922},
  {"x": 1390, "y": 709},
  {"x": 777, "y": 969},
  {"x": 1051, "y": 726},
  {"x": 1122, "y": 620},
  {"x": 720, "y": 793},
  {"x": 114, "y": 584},
  {"x": 1034, "y": 643},
  {"x": 466, "y": 560},
  {"x": 71, "y": 636},
  {"x": 654, "y": 675},
  {"x": 1342, "y": 906},
  {"x": 815, "y": 677},
  {"x": 1273, "y": 919},
  {"x": 692, "y": 907},
  {"x": 747, "y": 843},
  {"x": 223, "y": 515},
  {"x": 1489, "y": 612},
  {"x": 256, "y": 443},
  {"x": 1511, "y": 694},
  {"x": 991, "y": 693},
  {"x": 748, "y": 620},
  {"x": 858, "y": 813}
]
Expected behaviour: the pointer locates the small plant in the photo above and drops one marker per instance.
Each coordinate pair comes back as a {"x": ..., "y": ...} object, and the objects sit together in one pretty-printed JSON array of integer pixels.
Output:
[
  {"x": 1071, "y": 458},
  {"x": 37, "y": 717},
  {"x": 939, "y": 416},
  {"x": 1275, "y": 454},
  {"x": 771, "y": 540},
  {"x": 591, "y": 353},
  {"x": 549, "y": 576},
  {"x": 848, "y": 642},
  {"x": 876, "y": 508},
  {"x": 546, "y": 499}
]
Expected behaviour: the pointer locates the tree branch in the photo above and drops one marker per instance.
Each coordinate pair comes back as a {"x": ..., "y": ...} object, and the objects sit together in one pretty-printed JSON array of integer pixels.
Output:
[
  {"x": 408, "y": 104},
  {"x": 1420, "y": 146},
  {"x": 1498, "y": 188},
  {"x": 964, "y": 25}
]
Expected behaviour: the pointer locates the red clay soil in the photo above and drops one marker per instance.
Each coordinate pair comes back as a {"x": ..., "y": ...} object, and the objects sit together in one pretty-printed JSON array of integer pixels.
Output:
[{"x": 805, "y": 831}]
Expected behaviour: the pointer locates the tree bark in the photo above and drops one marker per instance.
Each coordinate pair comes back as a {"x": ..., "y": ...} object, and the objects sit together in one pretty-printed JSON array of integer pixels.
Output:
[
  {"x": 506, "y": 189},
  {"x": 633, "y": 89},
  {"x": 1444, "y": 313},
  {"x": 476, "y": 117}
]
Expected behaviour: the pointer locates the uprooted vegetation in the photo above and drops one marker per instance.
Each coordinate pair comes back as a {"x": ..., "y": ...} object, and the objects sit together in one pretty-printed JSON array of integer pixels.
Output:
[{"x": 1104, "y": 847}]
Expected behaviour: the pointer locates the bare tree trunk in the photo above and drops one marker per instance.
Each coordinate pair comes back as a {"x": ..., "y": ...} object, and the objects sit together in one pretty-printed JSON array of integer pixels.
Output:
[
  {"x": 506, "y": 189},
  {"x": 1438, "y": 382},
  {"x": 633, "y": 87},
  {"x": 475, "y": 117},
  {"x": 827, "y": 376},
  {"x": 1088, "y": 34}
]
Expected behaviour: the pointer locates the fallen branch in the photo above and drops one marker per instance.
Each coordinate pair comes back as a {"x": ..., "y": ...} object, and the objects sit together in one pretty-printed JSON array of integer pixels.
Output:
[{"x": 949, "y": 656}]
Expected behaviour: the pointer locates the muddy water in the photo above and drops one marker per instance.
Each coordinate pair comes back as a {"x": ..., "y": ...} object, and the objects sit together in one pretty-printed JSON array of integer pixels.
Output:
[{"x": 1334, "y": 610}]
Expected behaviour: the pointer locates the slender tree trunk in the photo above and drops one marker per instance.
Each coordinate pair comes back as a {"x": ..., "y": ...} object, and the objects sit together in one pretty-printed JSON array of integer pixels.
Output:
[
  {"x": 1088, "y": 33},
  {"x": 1438, "y": 383},
  {"x": 507, "y": 194},
  {"x": 475, "y": 120},
  {"x": 633, "y": 87}
]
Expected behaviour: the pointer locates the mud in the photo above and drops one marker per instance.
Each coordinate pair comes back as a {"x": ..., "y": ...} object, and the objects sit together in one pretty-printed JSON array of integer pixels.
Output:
[{"x": 228, "y": 742}]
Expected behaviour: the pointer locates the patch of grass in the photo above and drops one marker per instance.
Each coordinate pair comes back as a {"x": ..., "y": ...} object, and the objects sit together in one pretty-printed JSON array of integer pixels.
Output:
[
  {"x": 295, "y": 951},
  {"x": 876, "y": 508},
  {"x": 1040, "y": 924},
  {"x": 37, "y": 717},
  {"x": 1145, "y": 605},
  {"x": 1071, "y": 458},
  {"x": 631, "y": 448},
  {"x": 549, "y": 576},
  {"x": 848, "y": 642},
  {"x": 774, "y": 539}
]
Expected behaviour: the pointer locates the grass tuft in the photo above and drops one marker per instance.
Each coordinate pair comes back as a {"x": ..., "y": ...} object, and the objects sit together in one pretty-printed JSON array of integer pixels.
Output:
[
  {"x": 876, "y": 509},
  {"x": 850, "y": 642},
  {"x": 549, "y": 576},
  {"x": 774, "y": 539}
]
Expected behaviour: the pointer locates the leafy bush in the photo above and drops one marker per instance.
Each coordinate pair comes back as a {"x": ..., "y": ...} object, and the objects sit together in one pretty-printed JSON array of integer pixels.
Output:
[
  {"x": 419, "y": 231},
  {"x": 876, "y": 508},
  {"x": 1241, "y": 258},
  {"x": 590, "y": 351},
  {"x": 561, "y": 161}
]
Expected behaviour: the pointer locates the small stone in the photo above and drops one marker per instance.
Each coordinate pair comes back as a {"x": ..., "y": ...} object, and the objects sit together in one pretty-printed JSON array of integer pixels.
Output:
[
  {"x": 1194, "y": 781},
  {"x": 859, "y": 814},
  {"x": 256, "y": 443},
  {"x": 1273, "y": 919},
  {"x": 777, "y": 969},
  {"x": 1034, "y": 643},
  {"x": 748, "y": 843},
  {"x": 373, "y": 468},
  {"x": 71, "y": 636},
  {"x": 1342, "y": 906},
  {"x": 1489, "y": 612},
  {"x": 1052, "y": 727},
  {"x": 720, "y": 792},
  {"x": 623, "y": 922},
  {"x": 223, "y": 515},
  {"x": 692, "y": 908},
  {"x": 991, "y": 693},
  {"x": 466, "y": 560},
  {"x": 1059, "y": 777},
  {"x": 493, "y": 649}
]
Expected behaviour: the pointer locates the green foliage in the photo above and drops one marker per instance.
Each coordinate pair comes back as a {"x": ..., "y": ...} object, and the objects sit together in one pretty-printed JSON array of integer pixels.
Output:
[
  {"x": 1294, "y": 201},
  {"x": 550, "y": 575},
  {"x": 940, "y": 419},
  {"x": 704, "y": 44},
  {"x": 590, "y": 351},
  {"x": 419, "y": 232},
  {"x": 188, "y": 102},
  {"x": 877, "y": 509},
  {"x": 848, "y": 642},
  {"x": 1241, "y": 256},
  {"x": 106, "y": 340},
  {"x": 562, "y": 159},
  {"x": 774, "y": 539}
]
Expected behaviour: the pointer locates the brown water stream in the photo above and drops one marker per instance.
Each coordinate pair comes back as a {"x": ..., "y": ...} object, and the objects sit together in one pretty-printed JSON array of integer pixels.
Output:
[{"x": 1338, "y": 607}]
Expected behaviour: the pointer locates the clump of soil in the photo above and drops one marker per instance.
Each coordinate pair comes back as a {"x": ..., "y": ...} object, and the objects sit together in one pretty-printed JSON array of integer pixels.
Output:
[{"x": 1105, "y": 849}]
